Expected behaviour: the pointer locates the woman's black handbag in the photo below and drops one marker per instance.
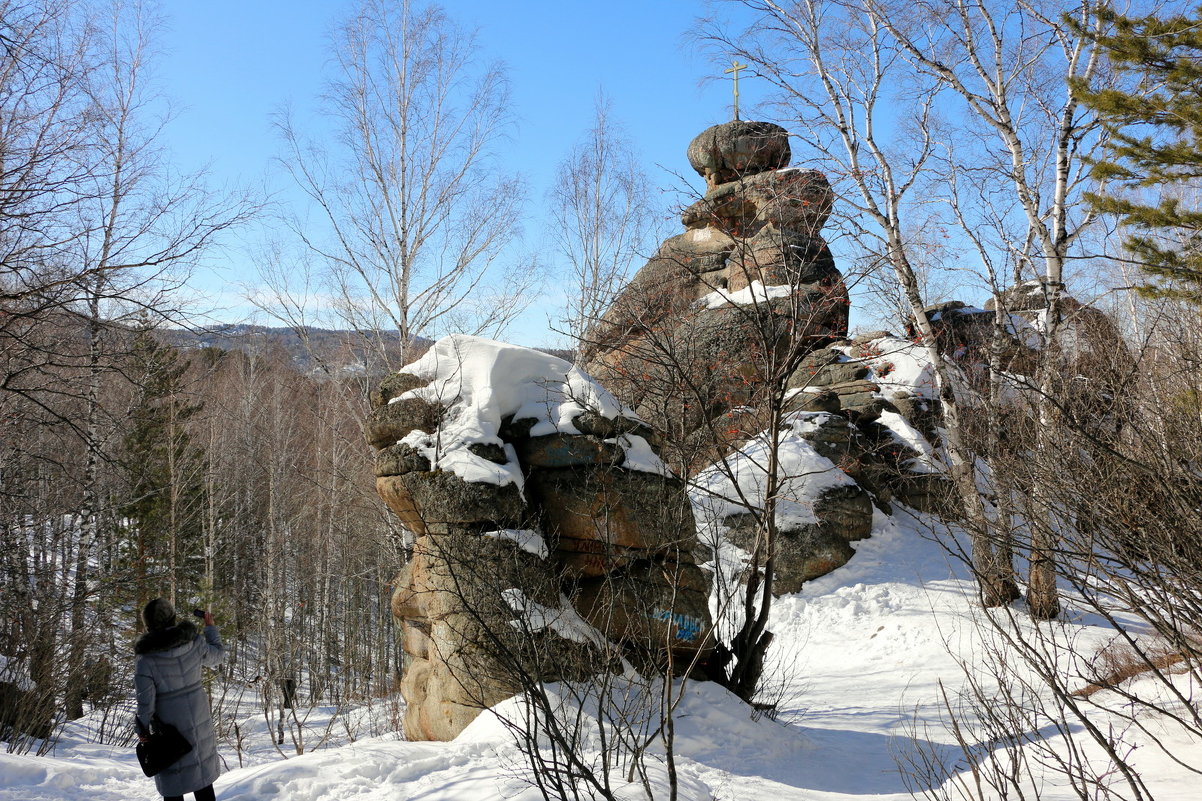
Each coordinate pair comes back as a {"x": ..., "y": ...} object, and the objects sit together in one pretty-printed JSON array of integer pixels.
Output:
[{"x": 162, "y": 748}]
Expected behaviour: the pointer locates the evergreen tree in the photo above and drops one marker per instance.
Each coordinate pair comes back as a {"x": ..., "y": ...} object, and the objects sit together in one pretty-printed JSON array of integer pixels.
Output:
[
  {"x": 162, "y": 509},
  {"x": 1155, "y": 146}
]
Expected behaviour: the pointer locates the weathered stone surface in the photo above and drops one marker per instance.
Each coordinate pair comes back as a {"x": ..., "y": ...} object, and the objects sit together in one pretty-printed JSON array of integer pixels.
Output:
[
  {"x": 834, "y": 437},
  {"x": 933, "y": 493},
  {"x": 925, "y": 414},
  {"x": 853, "y": 387},
  {"x": 620, "y": 509},
  {"x": 462, "y": 598},
  {"x": 476, "y": 566},
  {"x": 665, "y": 286},
  {"x": 832, "y": 373},
  {"x": 806, "y": 555},
  {"x": 393, "y": 491},
  {"x": 808, "y": 552},
  {"x": 420, "y": 499},
  {"x": 469, "y": 591},
  {"x": 393, "y": 385},
  {"x": 596, "y": 425},
  {"x": 404, "y": 602},
  {"x": 429, "y": 714},
  {"x": 489, "y": 451},
  {"x": 650, "y": 606},
  {"x": 724, "y": 152},
  {"x": 793, "y": 200},
  {"x": 698, "y": 251},
  {"x": 846, "y": 512},
  {"x": 592, "y": 557},
  {"x": 722, "y": 436},
  {"x": 398, "y": 459},
  {"x": 861, "y": 399},
  {"x": 566, "y": 450},
  {"x": 419, "y": 593},
  {"x": 516, "y": 430},
  {"x": 722, "y": 371},
  {"x": 823, "y": 401},
  {"x": 776, "y": 258},
  {"x": 415, "y": 637},
  {"x": 394, "y": 420}
]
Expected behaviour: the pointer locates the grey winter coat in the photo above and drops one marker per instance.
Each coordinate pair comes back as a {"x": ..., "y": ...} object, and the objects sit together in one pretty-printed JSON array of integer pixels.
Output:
[{"x": 167, "y": 679}]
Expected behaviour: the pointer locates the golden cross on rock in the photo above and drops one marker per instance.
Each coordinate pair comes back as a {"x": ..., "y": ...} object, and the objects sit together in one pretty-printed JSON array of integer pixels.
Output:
[{"x": 735, "y": 66}]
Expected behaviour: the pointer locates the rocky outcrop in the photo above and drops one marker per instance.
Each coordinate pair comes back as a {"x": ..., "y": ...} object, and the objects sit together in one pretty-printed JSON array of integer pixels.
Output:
[
  {"x": 548, "y": 539},
  {"x": 884, "y": 418},
  {"x": 749, "y": 286},
  {"x": 687, "y": 341}
]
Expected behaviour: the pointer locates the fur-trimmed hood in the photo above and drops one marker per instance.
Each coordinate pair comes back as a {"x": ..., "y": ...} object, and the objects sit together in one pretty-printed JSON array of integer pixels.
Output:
[{"x": 181, "y": 633}]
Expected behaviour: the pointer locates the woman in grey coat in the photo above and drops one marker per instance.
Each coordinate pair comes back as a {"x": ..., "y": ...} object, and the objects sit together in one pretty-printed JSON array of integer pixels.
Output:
[{"x": 167, "y": 680}]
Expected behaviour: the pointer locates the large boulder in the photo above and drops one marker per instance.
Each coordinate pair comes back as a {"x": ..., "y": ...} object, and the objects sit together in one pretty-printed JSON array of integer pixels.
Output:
[
  {"x": 808, "y": 551},
  {"x": 521, "y": 484},
  {"x": 788, "y": 200},
  {"x": 725, "y": 152},
  {"x": 656, "y": 606},
  {"x": 748, "y": 284},
  {"x": 599, "y": 520}
]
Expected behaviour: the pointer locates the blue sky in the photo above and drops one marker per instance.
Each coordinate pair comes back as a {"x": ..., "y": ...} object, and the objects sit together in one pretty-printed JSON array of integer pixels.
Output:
[{"x": 229, "y": 64}]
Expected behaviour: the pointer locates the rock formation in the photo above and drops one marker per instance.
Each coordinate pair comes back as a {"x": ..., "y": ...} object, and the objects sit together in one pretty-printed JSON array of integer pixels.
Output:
[
  {"x": 689, "y": 339},
  {"x": 549, "y": 540},
  {"x": 706, "y": 328}
]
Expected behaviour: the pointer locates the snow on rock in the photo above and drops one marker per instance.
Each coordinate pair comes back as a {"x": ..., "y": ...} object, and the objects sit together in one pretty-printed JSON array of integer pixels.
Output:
[
  {"x": 723, "y": 492},
  {"x": 928, "y": 460},
  {"x": 479, "y": 382},
  {"x": 740, "y": 482},
  {"x": 563, "y": 620},
  {"x": 899, "y": 365},
  {"x": 528, "y": 540},
  {"x": 640, "y": 456},
  {"x": 755, "y": 293},
  {"x": 1031, "y": 336}
]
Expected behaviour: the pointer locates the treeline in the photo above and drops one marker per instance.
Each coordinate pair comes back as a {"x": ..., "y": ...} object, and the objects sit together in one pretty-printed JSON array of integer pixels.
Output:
[
  {"x": 220, "y": 479},
  {"x": 129, "y": 469}
]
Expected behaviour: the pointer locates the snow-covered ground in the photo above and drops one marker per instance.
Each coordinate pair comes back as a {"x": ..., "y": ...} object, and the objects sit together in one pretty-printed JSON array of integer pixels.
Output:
[{"x": 859, "y": 657}]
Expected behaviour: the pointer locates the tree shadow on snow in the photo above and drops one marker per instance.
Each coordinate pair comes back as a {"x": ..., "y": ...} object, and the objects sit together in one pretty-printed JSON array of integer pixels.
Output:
[{"x": 845, "y": 761}]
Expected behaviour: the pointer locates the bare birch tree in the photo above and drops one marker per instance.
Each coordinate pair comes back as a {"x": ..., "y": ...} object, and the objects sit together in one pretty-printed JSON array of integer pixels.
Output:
[
  {"x": 45, "y": 154},
  {"x": 1012, "y": 66},
  {"x": 415, "y": 206},
  {"x": 95, "y": 227},
  {"x": 141, "y": 230},
  {"x": 602, "y": 217},
  {"x": 871, "y": 124}
]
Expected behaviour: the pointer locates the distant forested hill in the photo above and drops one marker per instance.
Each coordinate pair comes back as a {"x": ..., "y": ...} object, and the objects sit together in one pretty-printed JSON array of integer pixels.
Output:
[{"x": 311, "y": 350}]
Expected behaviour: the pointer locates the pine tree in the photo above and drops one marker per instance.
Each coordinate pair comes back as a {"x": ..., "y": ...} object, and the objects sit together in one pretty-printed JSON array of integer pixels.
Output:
[
  {"x": 1155, "y": 146},
  {"x": 162, "y": 510}
]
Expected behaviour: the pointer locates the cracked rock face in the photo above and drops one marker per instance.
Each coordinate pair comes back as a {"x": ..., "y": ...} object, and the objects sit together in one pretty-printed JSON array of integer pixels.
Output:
[
  {"x": 686, "y": 342},
  {"x": 574, "y": 554}
]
